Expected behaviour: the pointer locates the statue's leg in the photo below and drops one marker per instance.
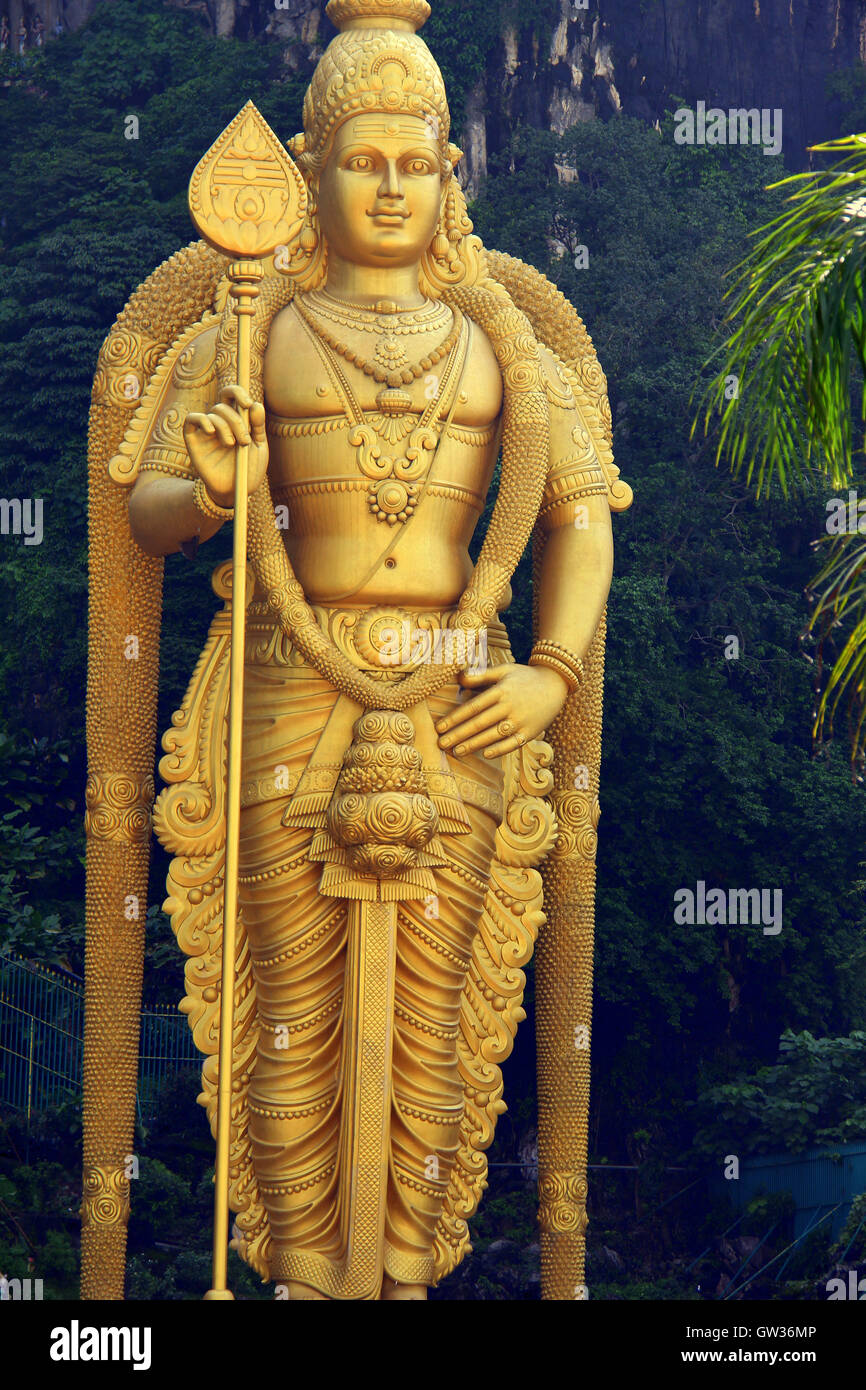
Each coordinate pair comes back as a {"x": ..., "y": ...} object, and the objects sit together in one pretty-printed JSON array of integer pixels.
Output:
[
  {"x": 434, "y": 949},
  {"x": 298, "y": 946},
  {"x": 297, "y": 941},
  {"x": 304, "y": 1291}
]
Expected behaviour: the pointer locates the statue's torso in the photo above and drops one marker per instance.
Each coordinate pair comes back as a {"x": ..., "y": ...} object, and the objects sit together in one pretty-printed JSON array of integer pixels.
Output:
[{"x": 334, "y": 540}]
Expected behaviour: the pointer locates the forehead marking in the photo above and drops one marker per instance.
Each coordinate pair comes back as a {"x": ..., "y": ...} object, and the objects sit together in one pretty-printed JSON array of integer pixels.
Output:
[{"x": 371, "y": 126}]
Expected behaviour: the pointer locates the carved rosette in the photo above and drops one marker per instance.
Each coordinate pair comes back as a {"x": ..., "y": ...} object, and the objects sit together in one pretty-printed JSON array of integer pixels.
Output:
[
  {"x": 578, "y": 814},
  {"x": 381, "y": 814},
  {"x": 562, "y": 1202},
  {"x": 105, "y": 1195},
  {"x": 118, "y": 807},
  {"x": 126, "y": 362}
]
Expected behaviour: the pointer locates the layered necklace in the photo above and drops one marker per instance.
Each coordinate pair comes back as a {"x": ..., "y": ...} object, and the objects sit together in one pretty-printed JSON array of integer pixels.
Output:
[
  {"x": 390, "y": 366},
  {"x": 397, "y": 479}
]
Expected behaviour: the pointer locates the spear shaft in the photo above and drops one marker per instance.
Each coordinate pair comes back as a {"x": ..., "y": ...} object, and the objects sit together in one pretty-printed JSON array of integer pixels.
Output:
[{"x": 244, "y": 276}]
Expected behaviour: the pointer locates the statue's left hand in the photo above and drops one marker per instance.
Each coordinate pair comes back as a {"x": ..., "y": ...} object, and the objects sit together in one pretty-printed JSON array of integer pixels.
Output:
[{"x": 515, "y": 704}]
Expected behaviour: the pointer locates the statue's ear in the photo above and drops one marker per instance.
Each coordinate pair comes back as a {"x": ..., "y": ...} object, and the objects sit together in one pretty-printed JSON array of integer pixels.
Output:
[
  {"x": 305, "y": 258},
  {"x": 456, "y": 255},
  {"x": 455, "y": 155}
]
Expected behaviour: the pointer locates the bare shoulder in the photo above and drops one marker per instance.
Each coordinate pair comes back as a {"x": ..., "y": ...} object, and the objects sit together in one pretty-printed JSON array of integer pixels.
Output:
[
  {"x": 291, "y": 359},
  {"x": 482, "y": 381}
]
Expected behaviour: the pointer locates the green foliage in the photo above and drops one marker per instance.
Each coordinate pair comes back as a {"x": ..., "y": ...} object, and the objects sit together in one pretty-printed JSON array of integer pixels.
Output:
[
  {"x": 184, "y": 1275},
  {"x": 709, "y": 771},
  {"x": 846, "y": 92},
  {"x": 58, "y": 1261},
  {"x": 795, "y": 332},
  {"x": 851, "y": 1245},
  {"x": 163, "y": 1203},
  {"x": 814, "y": 1094},
  {"x": 796, "y": 344},
  {"x": 36, "y": 867},
  {"x": 643, "y": 1291}
]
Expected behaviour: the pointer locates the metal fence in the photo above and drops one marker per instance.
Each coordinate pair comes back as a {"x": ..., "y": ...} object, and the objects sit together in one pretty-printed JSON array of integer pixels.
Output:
[
  {"x": 823, "y": 1182},
  {"x": 41, "y": 1040}
]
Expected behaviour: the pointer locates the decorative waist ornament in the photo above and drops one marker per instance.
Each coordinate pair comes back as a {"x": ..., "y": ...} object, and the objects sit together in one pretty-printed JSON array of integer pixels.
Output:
[{"x": 377, "y": 904}]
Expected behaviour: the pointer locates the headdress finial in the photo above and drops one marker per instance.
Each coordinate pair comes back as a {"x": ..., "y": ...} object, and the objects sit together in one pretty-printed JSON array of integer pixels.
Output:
[{"x": 378, "y": 14}]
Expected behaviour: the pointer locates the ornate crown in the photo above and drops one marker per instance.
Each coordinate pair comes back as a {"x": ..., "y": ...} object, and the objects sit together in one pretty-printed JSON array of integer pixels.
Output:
[{"x": 379, "y": 64}]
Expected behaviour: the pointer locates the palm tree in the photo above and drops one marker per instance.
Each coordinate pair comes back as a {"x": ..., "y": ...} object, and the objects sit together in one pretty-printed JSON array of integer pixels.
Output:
[{"x": 797, "y": 336}]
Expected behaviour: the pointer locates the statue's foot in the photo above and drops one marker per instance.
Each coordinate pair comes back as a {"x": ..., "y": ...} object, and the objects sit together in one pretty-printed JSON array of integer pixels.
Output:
[
  {"x": 394, "y": 1292},
  {"x": 297, "y": 1290}
]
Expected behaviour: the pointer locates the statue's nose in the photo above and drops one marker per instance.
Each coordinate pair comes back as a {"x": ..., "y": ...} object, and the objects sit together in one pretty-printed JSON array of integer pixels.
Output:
[{"x": 391, "y": 187}]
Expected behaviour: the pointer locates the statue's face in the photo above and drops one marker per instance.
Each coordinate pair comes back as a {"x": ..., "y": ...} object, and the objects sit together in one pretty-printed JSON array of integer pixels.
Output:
[{"x": 381, "y": 189}]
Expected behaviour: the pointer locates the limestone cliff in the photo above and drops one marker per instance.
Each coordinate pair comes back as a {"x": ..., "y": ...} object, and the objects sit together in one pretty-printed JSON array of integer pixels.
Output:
[{"x": 611, "y": 55}]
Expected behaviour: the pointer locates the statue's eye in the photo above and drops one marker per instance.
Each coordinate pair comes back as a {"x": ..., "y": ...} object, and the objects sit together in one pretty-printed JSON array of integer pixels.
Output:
[
  {"x": 420, "y": 166},
  {"x": 361, "y": 164}
]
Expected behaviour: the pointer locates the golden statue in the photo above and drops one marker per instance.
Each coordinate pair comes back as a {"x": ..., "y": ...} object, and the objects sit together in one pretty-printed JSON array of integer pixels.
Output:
[{"x": 403, "y": 831}]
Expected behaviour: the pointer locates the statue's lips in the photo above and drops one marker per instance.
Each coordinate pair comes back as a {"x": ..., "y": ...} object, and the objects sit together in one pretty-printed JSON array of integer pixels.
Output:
[{"x": 389, "y": 219}]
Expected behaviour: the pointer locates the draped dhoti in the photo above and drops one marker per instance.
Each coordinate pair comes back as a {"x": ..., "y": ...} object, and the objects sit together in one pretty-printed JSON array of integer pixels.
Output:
[{"x": 356, "y": 1097}]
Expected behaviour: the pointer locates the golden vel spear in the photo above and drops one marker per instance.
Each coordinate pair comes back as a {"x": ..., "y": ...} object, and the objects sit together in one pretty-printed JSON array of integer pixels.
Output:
[{"x": 246, "y": 197}]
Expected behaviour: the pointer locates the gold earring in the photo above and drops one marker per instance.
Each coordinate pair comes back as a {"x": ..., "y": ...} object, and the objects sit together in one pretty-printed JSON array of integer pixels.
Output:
[
  {"x": 309, "y": 234},
  {"x": 309, "y": 239}
]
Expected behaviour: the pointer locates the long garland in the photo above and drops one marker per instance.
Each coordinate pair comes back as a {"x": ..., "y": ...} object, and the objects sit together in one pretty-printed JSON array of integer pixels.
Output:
[{"x": 525, "y": 455}]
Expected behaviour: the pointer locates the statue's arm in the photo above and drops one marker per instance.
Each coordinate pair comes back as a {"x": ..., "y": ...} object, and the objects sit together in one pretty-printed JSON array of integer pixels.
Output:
[
  {"x": 164, "y": 518},
  {"x": 516, "y": 703},
  {"x": 576, "y": 571},
  {"x": 189, "y": 439},
  {"x": 577, "y": 564}
]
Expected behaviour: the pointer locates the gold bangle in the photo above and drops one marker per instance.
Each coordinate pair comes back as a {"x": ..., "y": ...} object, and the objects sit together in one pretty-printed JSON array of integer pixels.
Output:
[
  {"x": 559, "y": 659},
  {"x": 205, "y": 503}
]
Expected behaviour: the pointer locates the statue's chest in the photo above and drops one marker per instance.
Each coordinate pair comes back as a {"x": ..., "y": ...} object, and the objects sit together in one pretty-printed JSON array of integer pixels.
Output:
[
  {"x": 382, "y": 465},
  {"x": 378, "y": 421}
]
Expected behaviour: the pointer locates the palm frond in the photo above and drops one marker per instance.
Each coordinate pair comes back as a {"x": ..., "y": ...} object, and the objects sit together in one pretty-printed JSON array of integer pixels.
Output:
[
  {"x": 840, "y": 601},
  {"x": 796, "y": 327}
]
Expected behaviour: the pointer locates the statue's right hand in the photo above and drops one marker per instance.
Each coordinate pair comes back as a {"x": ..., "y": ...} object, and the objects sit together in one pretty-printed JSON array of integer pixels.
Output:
[{"x": 212, "y": 440}]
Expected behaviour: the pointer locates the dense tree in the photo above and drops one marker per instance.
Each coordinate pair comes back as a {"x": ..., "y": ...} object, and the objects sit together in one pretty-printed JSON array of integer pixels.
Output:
[{"x": 709, "y": 772}]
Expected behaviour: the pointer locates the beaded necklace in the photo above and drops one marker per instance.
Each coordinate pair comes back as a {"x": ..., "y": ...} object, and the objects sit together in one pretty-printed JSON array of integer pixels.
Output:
[{"x": 388, "y": 369}]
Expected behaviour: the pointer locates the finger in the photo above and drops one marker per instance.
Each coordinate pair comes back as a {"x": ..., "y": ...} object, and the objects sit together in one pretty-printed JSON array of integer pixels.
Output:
[
  {"x": 476, "y": 679},
  {"x": 235, "y": 393},
  {"x": 257, "y": 423},
  {"x": 467, "y": 711},
  {"x": 236, "y": 423},
  {"x": 488, "y": 719},
  {"x": 195, "y": 421},
  {"x": 507, "y": 745},
  {"x": 485, "y": 739},
  {"x": 223, "y": 433}
]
